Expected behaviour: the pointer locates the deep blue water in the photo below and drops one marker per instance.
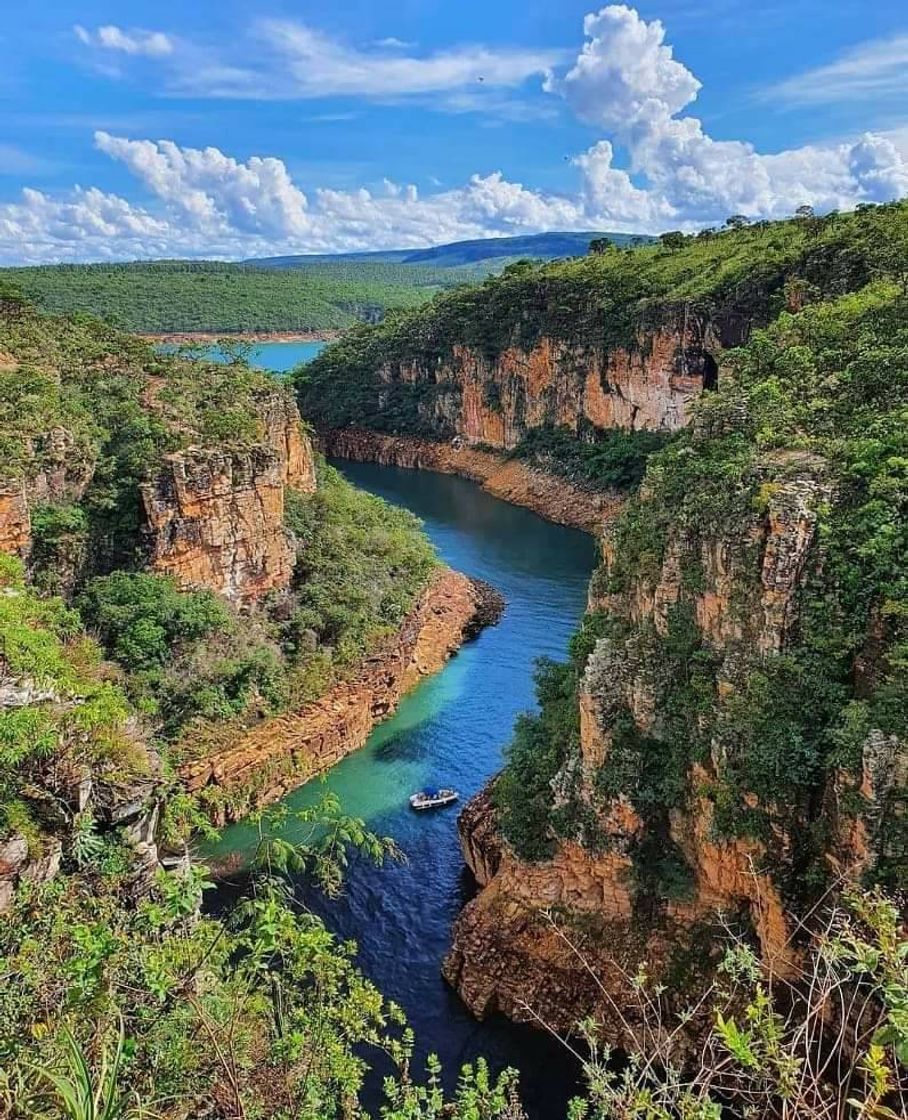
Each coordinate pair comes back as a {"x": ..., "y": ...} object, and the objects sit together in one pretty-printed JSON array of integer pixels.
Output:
[{"x": 452, "y": 731}]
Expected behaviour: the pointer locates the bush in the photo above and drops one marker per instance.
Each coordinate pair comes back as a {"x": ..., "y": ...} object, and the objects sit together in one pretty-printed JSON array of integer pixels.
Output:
[{"x": 140, "y": 617}]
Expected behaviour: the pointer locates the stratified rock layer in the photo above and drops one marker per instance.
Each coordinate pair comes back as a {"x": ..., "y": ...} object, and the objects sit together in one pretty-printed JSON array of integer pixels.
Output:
[
  {"x": 216, "y": 517},
  {"x": 284, "y": 752},
  {"x": 560, "y": 938},
  {"x": 495, "y": 401}
]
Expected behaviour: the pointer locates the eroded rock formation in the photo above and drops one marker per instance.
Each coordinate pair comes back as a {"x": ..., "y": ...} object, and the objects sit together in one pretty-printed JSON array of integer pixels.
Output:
[
  {"x": 216, "y": 517},
  {"x": 561, "y": 938},
  {"x": 284, "y": 752},
  {"x": 496, "y": 401}
]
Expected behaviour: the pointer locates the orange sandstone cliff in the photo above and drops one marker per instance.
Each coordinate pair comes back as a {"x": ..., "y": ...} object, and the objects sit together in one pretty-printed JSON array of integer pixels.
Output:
[
  {"x": 561, "y": 938},
  {"x": 216, "y": 517}
]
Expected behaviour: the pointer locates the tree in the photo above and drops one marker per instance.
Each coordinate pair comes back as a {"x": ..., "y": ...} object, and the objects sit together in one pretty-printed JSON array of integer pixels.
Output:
[
  {"x": 673, "y": 240},
  {"x": 737, "y": 221},
  {"x": 601, "y": 245}
]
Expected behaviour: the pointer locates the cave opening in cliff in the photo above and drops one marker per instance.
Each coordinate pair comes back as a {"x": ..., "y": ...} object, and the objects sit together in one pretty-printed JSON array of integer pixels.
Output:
[{"x": 710, "y": 373}]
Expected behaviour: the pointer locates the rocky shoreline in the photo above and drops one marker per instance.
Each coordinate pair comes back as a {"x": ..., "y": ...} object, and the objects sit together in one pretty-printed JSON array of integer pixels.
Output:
[
  {"x": 190, "y": 338},
  {"x": 286, "y": 751},
  {"x": 552, "y": 497}
]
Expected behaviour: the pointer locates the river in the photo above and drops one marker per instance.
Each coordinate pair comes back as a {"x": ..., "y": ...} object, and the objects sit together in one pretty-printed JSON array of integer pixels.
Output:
[{"x": 451, "y": 730}]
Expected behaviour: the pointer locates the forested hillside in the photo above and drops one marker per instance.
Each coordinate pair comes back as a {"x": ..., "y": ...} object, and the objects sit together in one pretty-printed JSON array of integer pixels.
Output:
[
  {"x": 624, "y": 338},
  {"x": 487, "y": 254},
  {"x": 176, "y": 296}
]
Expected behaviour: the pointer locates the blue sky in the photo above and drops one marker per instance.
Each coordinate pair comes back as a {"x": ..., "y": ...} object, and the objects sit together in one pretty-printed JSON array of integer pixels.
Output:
[{"x": 142, "y": 128}]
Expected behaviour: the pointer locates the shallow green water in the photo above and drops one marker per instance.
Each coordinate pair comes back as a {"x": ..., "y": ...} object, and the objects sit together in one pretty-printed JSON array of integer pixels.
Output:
[{"x": 451, "y": 730}]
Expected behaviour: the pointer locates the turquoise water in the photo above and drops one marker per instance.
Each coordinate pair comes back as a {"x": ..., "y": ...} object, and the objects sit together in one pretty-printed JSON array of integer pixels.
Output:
[
  {"x": 279, "y": 357},
  {"x": 451, "y": 731}
]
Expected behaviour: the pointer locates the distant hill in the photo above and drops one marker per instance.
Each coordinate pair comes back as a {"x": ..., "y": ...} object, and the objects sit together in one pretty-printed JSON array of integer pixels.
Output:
[
  {"x": 292, "y": 293},
  {"x": 542, "y": 246}
]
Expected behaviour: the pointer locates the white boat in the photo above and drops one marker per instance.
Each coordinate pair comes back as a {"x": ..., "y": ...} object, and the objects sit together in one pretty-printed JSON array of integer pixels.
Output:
[{"x": 433, "y": 799}]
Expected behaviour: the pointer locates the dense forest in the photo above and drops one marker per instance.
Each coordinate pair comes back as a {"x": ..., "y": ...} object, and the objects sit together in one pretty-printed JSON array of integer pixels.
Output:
[{"x": 174, "y": 296}]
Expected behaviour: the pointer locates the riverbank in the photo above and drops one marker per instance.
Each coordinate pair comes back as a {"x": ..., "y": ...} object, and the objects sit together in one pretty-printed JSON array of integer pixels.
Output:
[
  {"x": 548, "y": 495},
  {"x": 288, "y": 750},
  {"x": 205, "y": 338}
]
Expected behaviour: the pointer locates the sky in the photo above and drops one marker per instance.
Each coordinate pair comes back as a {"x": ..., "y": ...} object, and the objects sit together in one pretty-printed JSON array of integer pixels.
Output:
[{"x": 161, "y": 128}]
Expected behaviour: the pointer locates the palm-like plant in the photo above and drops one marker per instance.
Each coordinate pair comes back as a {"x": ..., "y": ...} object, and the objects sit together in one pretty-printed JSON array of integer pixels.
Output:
[{"x": 78, "y": 1094}]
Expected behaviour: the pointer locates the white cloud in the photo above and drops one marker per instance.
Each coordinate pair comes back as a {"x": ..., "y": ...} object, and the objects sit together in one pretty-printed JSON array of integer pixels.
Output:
[
  {"x": 625, "y": 74},
  {"x": 322, "y": 67},
  {"x": 257, "y": 197},
  {"x": 392, "y": 43},
  {"x": 625, "y": 80},
  {"x": 152, "y": 44},
  {"x": 871, "y": 71},
  {"x": 289, "y": 60}
]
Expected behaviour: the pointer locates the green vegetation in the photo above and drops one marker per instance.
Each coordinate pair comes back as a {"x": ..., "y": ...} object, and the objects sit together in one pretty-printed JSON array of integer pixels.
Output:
[
  {"x": 542, "y": 744},
  {"x": 809, "y": 421},
  {"x": 594, "y": 304},
  {"x": 87, "y": 416},
  {"x": 197, "y": 668},
  {"x": 119, "y": 998},
  {"x": 62, "y": 714},
  {"x": 96, "y": 411},
  {"x": 175, "y": 296},
  {"x": 613, "y": 459}
]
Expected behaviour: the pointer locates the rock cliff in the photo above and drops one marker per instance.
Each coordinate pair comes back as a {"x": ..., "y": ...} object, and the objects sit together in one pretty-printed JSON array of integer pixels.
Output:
[
  {"x": 284, "y": 752},
  {"x": 15, "y": 523},
  {"x": 215, "y": 518},
  {"x": 494, "y": 402},
  {"x": 736, "y": 746},
  {"x": 509, "y": 951}
]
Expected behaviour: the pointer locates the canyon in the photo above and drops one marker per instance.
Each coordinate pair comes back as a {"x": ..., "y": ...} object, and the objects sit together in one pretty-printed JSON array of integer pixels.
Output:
[{"x": 668, "y": 807}]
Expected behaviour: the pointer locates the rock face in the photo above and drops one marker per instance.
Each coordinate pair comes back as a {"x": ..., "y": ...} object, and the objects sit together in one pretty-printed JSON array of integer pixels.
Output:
[
  {"x": 494, "y": 402},
  {"x": 15, "y": 523},
  {"x": 216, "y": 518},
  {"x": 61, "y": 787},
  {"x": 513, "y": 481},
  {"x": 509, "y": 951},
  {"x": 288, "y": 750}
]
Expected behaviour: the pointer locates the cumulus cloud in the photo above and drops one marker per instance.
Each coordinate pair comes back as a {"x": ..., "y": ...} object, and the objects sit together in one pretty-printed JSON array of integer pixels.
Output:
[
  {"x": 206, "y": 186},
  {"x": 206, "y": 203},
  {"x": 625, "y": 81},
  {"x": 152, "y": 44}
]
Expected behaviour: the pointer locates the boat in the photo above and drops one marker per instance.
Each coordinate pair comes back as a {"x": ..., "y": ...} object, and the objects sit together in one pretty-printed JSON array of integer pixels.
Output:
[{"x": 433, "y": 799}]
